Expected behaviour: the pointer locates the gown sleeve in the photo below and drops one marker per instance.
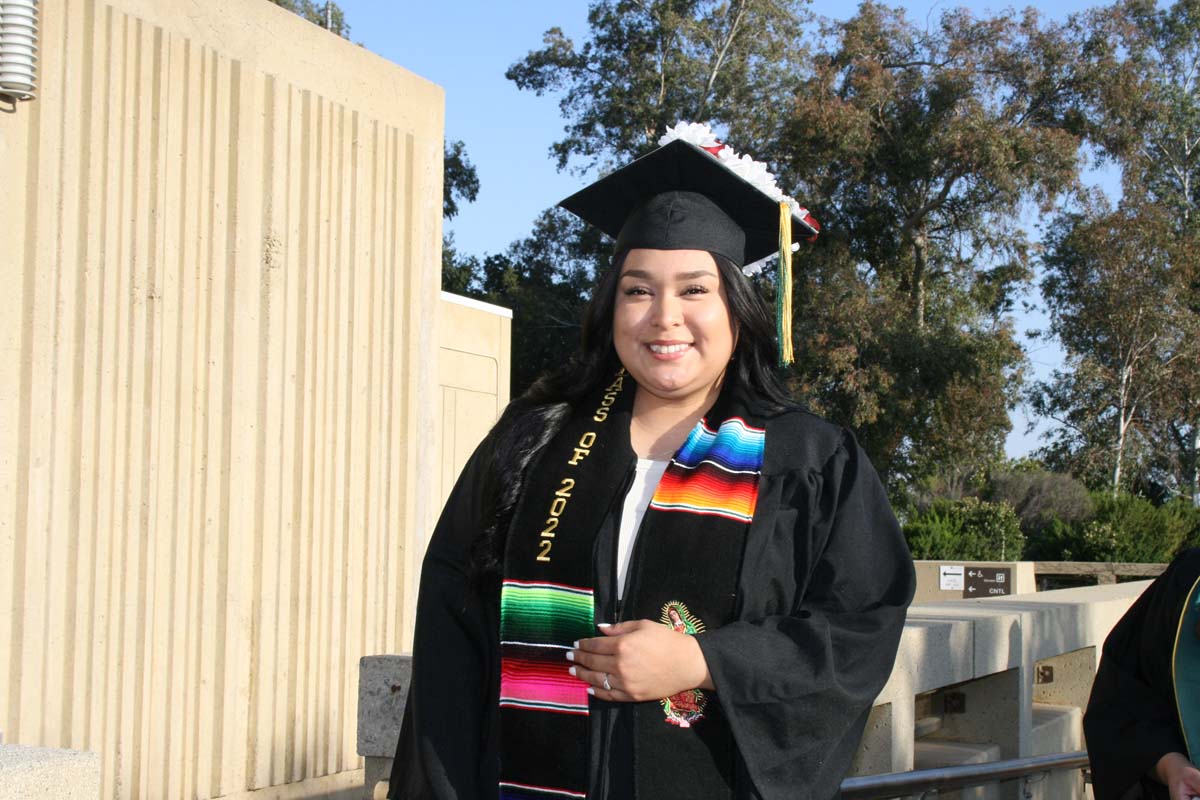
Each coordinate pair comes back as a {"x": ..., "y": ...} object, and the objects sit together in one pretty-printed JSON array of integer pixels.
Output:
[
  {"x": 1131, "y": 720},
  {"x": 445, "y": 737},
  {"x": 797, "y": 687}
]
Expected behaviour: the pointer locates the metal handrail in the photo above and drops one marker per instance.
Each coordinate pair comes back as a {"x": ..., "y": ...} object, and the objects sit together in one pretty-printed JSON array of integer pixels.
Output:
[{"x": 898, "y": 784}]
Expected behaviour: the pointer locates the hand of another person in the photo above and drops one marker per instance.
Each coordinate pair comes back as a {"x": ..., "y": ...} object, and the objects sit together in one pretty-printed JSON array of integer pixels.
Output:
[
  {"x": 642, "y": 660},
  {"x": 1182, "y": 779}
]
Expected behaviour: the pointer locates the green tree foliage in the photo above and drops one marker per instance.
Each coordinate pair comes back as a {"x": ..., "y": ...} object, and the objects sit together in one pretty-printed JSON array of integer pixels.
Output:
[
  {"x": 1124, "y": 527},
  {"x": 327, "y": 14},
  {"x": 460, "y": 184},
  {"x": 1114, "y": 303},
  {"x": 644, "y": 66},
  {"x": 650, "y": 63},
  {"x": 460, "y": 180},
  {"x": 917, "y": 147},
  {"x": 545, "y": 279},
  {"x": 1123, "y": 286},
  {"x": 969, "y": 529}
]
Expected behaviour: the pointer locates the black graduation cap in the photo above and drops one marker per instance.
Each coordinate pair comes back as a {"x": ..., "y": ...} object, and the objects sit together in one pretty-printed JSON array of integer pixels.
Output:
[{"x": 681, "y": 196}]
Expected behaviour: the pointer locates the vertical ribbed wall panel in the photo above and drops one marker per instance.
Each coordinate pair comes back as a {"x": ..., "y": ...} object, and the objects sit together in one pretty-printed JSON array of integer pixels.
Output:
[{"x": 221, "y": 280}]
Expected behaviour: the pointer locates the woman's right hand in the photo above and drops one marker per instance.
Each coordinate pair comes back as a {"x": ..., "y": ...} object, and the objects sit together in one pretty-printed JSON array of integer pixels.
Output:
[{"x": 1181, "y": 778}]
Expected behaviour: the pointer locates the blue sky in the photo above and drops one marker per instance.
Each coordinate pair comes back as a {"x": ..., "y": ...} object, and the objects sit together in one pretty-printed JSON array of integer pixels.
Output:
[{"x": 466, "y": 45}]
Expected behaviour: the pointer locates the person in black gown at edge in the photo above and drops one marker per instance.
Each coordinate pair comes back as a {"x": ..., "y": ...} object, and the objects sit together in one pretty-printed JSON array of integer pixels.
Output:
[
  {"x": 657, "y": 576},
  {"x": 1135, "y": 739}
]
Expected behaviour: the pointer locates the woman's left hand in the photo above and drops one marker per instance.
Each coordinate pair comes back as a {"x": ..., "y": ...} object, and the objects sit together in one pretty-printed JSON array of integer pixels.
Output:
[{"x": 642, "y": 660}]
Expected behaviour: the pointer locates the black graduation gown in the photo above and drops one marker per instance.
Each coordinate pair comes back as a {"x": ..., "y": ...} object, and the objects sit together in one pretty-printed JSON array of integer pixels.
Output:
[
  {"x": 825, "y": 582},
  {"x": 1131, "y": 721}
]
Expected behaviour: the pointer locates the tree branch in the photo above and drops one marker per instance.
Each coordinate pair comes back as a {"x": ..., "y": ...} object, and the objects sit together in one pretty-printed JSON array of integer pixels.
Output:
[{"x": 720, "y": 60}]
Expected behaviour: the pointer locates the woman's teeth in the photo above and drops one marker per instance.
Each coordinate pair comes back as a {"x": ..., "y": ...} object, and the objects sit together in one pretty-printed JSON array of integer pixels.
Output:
[{"x": 664, "y": 349}]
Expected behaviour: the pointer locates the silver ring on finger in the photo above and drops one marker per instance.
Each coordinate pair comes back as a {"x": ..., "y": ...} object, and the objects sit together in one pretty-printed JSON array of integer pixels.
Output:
[{"x": 607, "y": 685}]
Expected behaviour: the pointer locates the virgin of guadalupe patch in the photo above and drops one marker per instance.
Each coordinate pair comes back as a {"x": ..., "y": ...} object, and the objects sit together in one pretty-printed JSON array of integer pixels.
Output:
[{"x": 686, "y": 707}]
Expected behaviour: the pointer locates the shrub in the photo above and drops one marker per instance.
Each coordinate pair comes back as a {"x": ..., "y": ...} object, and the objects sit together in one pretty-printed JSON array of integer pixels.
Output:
[
  {"x": 1131, "y": 528},
  {"x": 1189, "y": 519},
  {"x": 1125, "y": 528},
  {"x": 1039, "y": 497},
  {"x": 1055, "y": 541},
  {"x": 969, "y": 529}
]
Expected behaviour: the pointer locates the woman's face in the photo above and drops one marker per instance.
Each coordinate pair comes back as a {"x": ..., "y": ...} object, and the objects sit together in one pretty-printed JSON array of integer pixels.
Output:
[{"x": 671, "y": 323}]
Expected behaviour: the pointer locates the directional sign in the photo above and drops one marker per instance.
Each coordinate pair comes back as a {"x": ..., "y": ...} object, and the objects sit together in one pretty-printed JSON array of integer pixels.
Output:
[
  {"x": 950, "y": 577},
  {"x": 988, "y": 582}
]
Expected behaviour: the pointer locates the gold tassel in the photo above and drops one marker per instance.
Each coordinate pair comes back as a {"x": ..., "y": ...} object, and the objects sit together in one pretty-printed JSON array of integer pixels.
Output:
[{"x": 784, "y": 288}]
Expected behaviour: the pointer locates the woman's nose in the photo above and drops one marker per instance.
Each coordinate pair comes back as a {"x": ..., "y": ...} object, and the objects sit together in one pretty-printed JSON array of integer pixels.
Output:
[{"x": 667, "y": 311}]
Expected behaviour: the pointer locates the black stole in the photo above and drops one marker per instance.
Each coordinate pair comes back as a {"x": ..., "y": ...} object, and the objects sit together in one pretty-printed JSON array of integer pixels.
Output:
[{"x": 684, "y": 574}]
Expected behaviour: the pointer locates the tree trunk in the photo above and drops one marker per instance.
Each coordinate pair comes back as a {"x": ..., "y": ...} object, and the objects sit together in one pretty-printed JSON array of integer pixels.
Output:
[
  {"x": 920, "y": 264},
  {"x": 1124, "y": 418},
  {"x": 1196, "y": 464},
  {"x": 1116, "y": 478}
]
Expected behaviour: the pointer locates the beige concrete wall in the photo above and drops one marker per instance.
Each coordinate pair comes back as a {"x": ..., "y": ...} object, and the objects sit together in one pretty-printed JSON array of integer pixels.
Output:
[
  {"x": 217, "y": 334},
  {"x": 474, "y": 369}
]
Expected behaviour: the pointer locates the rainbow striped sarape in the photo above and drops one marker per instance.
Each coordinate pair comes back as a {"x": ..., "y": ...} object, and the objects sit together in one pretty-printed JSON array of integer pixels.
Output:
[
  {"x": 715, "y": 472},
  {"x": 538, "y": 623}
]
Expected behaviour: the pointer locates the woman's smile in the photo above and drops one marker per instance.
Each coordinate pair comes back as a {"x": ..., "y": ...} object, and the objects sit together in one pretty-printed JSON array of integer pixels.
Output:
[{"x": 668, "y": 351}]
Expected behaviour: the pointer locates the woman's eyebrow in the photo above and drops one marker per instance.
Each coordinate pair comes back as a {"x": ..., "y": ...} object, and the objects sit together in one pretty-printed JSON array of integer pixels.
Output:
[{"x": 682, "y": 276}]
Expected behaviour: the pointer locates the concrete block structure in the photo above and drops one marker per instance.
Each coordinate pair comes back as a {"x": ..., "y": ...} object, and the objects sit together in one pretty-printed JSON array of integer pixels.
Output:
[
  {"x": 231, "y": 398},
  {"x": 382, "y": 690},
  {"x": 30, "y": 773},
  {"x": 1008, "y": 672}
]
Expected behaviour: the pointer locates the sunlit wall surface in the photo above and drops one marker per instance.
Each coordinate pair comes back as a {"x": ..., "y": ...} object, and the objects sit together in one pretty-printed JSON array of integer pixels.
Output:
[{"x": 220, "y": 273}]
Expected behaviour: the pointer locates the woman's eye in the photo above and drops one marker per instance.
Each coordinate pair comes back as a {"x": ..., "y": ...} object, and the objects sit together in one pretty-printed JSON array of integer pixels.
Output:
[
  {"x": 695, "y": 290},
  {"x": 636, "y": 290}
]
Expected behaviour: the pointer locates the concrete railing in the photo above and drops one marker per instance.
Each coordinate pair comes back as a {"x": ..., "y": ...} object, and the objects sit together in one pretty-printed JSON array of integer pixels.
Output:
[
  {"x": 1103, "y": 571},
  {"x": 940, "y": 779},
  {"x": 975, "y": 681}
]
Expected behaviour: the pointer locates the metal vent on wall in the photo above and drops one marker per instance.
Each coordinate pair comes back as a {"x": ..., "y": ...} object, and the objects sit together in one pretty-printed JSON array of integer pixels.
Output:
[{"x": 18, "y": 49}]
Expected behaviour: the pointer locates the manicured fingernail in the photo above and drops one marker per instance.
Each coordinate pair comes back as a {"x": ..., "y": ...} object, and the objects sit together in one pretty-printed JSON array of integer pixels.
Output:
[
  {"x": 575, "y": 645},
  {"x": 591, "y": 690},
  {"x": 604, "y": 625},
  {"x": 571, "y": 670},
  {"x": 570, "y": 655}
]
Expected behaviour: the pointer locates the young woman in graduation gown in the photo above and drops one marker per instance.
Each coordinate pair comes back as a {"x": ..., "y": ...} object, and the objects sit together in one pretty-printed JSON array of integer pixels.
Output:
[
  {"x": 1144, "y": 709},
  {"x": 728, "y": 645}
]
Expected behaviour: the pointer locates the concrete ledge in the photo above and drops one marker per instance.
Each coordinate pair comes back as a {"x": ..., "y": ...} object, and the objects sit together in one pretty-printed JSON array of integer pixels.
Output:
[{"x": 27, "y": 773}]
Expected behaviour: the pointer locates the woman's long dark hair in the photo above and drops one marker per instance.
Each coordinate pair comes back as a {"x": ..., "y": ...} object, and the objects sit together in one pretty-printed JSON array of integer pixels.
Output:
[{"x": 754, "y": 358}]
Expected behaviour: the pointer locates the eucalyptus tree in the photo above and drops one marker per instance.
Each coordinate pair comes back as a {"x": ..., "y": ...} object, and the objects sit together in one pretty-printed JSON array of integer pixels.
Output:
[
  {"x": 647, "y": 64},
  {"x": 1142, "y": 112},
  {"x": 1114, "y": 306}
]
